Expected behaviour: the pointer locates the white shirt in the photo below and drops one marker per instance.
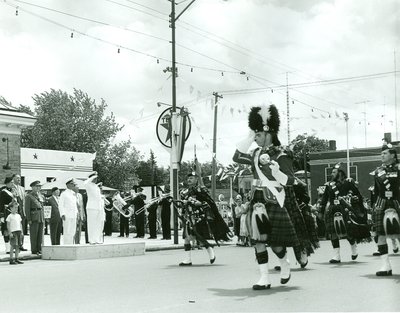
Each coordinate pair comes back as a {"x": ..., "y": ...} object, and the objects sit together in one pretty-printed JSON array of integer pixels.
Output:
[
  {"x": 95, "y": 201},
  {"x": 68, "y": 204},
  {"x": 15, "y": 222}
]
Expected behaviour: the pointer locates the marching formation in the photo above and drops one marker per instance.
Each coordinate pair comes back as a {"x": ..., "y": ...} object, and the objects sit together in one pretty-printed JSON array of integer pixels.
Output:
[{"x": 275, "y": 215}]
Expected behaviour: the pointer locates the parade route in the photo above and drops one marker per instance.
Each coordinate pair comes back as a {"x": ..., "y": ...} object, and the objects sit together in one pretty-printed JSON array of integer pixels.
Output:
[{"x": 155, "y": 283}]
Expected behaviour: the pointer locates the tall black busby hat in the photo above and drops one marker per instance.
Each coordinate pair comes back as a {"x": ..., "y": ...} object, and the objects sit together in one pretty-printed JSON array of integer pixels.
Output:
[{"x": 265, "y": 118}]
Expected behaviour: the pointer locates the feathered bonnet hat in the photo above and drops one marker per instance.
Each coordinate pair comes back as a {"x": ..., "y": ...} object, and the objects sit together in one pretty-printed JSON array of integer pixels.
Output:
[{"x": 265, "y": 118}]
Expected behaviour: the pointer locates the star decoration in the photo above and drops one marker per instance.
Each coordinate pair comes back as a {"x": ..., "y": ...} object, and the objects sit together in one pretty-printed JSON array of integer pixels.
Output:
[
  {"x": 168, "y": 127},
  {"x": 35, "y": 156},
  {"x": 72, "y": 159}
]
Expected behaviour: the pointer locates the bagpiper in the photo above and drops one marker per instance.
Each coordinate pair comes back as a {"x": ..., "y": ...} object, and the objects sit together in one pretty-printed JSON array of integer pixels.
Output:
[
  {"x": 201, "y": 219},
  {"x": 386, "y": 212},
  {"x": 272, "y": 169},
  {"x": 345, "y": 216}
]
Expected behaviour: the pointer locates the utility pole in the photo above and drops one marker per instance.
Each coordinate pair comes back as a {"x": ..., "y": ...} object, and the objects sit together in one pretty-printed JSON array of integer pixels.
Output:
[
  {"x": 365, "y": 120},
  {"x": 214, "y": 152},
  {"x": 395, "y": 94},
  {"x": 287, "y": 107},
  {"x": 174, "y": 149},
  {"x": 305, "y": 168},
  {"x": 346, "y": 118}
]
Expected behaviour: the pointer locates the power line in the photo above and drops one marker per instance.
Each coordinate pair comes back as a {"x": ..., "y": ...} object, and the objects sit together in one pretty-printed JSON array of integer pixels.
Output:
[
  {"x": 92, "y": 20},
  {"x": 136, "y": 9},
  {"x": 149, "y": 8},
  {"x": 118, "y": 46}
]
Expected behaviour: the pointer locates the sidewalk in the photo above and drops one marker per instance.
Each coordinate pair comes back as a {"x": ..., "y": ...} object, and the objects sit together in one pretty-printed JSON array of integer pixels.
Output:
[{"x": 150, "y": 244}]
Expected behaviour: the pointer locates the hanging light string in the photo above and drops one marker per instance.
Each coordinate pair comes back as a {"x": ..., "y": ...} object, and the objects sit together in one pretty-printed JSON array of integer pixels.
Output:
[{"x": 118, "y": 46}]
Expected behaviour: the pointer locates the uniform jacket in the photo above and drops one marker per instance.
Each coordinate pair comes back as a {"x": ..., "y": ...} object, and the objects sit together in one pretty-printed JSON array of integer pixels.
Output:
[
  {"x": 34, "y": 207},
  {"x": 68, "y": 204}
]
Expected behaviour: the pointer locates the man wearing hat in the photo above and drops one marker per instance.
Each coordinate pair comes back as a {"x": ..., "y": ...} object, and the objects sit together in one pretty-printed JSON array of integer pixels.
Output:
[
  {"x": 386, "y": 222},
  {"x": 201, "y": 219},
  {"x": 35, "y": 216},
  {"x": 165, "y": 204},
  {"x": 94, "y": 210},
  {"x": 55, "y": 217},
  {"x": 338, "y": 214},
  {"x": 68, "y": 206},
  {"x": 6, "y": 196},
  {"x": 273, "y": 172},
  {"x": 138, "y": 203}
]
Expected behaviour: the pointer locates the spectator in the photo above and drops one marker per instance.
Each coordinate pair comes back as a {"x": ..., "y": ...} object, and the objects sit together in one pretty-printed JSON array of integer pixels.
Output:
[
  {"x": 14, "y": 226},
  {"x": 55, "y": 218}
]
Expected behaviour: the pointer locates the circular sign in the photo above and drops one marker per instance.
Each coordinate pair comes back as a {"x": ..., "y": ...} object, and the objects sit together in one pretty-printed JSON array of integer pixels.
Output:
[{"x": 164, "y": 127}]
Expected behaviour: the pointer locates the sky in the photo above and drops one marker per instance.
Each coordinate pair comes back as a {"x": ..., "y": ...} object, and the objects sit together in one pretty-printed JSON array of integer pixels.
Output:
[{"x": 301, "y": 40}]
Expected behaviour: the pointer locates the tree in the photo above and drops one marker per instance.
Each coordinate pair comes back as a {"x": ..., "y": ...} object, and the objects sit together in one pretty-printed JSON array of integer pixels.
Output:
[
  {"x": 69, "y": 122},
  {"x": 117, "y": 165},
  {"x": 150, "y": 174},
  {"x": 310, "y": 144}
]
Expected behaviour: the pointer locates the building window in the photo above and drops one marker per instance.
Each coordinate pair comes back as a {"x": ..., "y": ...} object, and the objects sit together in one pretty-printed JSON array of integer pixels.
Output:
[{"x": 353, "y": 173}]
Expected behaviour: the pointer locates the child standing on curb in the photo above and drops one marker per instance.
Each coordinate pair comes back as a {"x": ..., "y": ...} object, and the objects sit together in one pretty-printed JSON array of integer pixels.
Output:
[{"x": 14, "y": 226}]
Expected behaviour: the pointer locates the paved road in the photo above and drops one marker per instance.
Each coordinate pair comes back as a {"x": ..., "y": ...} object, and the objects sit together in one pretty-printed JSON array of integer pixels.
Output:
[{"x": 154, "y": 283}]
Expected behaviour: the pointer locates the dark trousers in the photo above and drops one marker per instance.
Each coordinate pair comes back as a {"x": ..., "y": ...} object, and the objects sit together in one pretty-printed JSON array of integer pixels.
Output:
[
  {"x": 152, "y": 218},
  {"x": 123, "y": 225},
  {"x": 36, "y": 234},
  {"x": 55, "y": 232},
  {"x": 237, "y": 226},
  {"x": 108, "y": 224},
  {"x": 24, "y": 225},
  {"x": 166, "y": 222},
  {"x": 139, "y": 222}
]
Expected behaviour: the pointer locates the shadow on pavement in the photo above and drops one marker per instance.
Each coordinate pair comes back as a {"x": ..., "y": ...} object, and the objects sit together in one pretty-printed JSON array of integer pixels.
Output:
[
  {"x": 171, "y": 266},
  {"x": 298, "y": 269},
  {"x": 373, "y": 276},
  {"x": 249, "y": 292}
]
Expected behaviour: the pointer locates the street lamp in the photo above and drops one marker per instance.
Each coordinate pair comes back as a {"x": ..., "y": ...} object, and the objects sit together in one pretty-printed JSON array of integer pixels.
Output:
[{"x": 7, "y": 166}]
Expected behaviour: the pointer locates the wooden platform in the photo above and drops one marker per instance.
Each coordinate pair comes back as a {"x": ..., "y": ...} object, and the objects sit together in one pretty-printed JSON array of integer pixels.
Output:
[{"x": 86, "y": 251}]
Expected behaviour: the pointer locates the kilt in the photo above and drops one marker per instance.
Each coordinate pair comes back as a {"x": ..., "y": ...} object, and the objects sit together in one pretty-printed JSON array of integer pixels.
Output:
[
  {"x": 379, "y": 212},
  {"x": 283, "y": 233},
  {"x": 298, "y": 221},
  {"x": 311, "y": 226},
  {"x": 201, "y": 228}
]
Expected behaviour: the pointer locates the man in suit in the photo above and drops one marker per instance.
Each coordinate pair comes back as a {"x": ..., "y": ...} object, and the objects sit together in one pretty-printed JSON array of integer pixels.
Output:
[
  {"x": 68, "y": 207},
  {"x": 108, "y": 208},
  {"x": 35, "y": 216},
  {"x": 55, "y": 218},
  {"x": 81, "y": 216},
  {"x": 138, "y": 203}
]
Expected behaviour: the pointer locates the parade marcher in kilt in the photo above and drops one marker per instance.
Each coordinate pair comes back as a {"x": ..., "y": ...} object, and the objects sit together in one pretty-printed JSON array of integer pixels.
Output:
[
  {"x": 272, "y": 169},
  {"x": 345, "y": 208},
  {"x": 386, "y": 222},
  {"x": 202, "y": 221},
  {"x": 303, "y": 200}
]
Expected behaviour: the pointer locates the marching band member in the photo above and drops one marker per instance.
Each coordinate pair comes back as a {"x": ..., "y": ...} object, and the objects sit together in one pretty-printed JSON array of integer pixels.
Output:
[
  {"x": 345, "y": 205},
  {"x": 385, "y": 217},
  {"x": 202, "y": 220},
  {"x": 272, "y": 170},
  {"x": 6, "y": 196}
]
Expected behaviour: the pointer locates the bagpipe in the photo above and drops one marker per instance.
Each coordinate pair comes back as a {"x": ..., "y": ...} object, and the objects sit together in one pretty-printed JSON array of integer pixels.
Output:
[
  {"x": 186, "y": 211},
  {"x": 351, "y": 221}
]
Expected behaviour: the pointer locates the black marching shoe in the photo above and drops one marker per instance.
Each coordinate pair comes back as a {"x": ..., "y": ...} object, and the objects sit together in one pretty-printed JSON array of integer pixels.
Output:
[
  {"x": 333, "y": 261},
  {"x": 12, "y": 262},
  {"x": 261, "y": 287},
  {"x": 23, "y": 249},
  {"x": 376, "y": 253},
  {"x": 396, "y": 250},
  {"x": 353, "y": 257},
  {"x": 18, "y": 261},
  {"x": 303, "y": 265},
  {"x": 277, "y": 268},
  {"x": 384, "y": 273},
  {"x": 285, "y": 280},
  {"x": 185, "y": 264},
  {"x": 212, "y": 260}
]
